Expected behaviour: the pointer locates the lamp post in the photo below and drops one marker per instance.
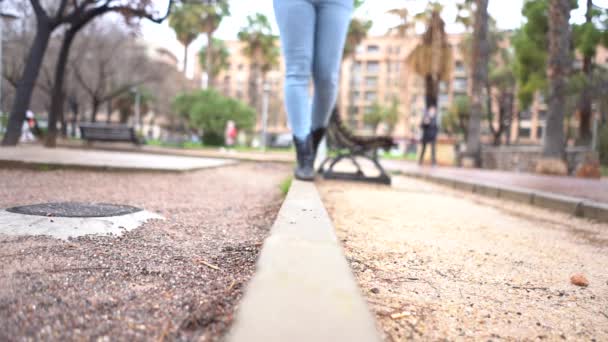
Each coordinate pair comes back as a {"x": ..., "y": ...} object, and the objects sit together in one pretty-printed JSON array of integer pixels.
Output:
[
  {"x": 7, "y": 16},
  {"x": 136, "y": 124},
  {"x": 266, "y": 89}
]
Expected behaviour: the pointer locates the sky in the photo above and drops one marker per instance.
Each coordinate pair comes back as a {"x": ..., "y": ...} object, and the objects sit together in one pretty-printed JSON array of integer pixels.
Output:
[{"x": 507, "y": 14}]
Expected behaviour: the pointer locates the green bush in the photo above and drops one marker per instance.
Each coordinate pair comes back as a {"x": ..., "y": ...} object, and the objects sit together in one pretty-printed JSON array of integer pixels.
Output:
[
  {"x": 603, "y": 144},
  {"x": 209, "y": 111}
]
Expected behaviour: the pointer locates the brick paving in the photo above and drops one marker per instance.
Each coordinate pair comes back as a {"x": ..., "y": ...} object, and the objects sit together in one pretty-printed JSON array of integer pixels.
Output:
[{"x": 591, "y": 189}]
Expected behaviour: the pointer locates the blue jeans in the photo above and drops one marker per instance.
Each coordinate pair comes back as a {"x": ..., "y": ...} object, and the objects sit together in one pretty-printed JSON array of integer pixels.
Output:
[{"x": 312, "y": 38}]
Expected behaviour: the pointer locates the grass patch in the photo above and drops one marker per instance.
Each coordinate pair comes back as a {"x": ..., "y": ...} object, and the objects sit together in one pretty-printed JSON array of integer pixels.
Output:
[
  {"x": 47, "y": 167},
  {"x": 409, "y": 156},
  {"x": 285, "y": 185},
  {"x": 604, "y": 171}
]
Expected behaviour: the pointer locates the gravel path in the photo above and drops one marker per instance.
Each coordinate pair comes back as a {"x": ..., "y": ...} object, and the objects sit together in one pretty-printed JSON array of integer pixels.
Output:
[
  {"x": 436, "y": 264},
  {"x": 177, "y": 279}
]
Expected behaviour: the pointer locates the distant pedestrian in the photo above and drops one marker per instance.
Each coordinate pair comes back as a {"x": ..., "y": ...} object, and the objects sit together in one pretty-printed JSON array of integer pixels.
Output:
[
  {"x": 312, "y": 35},
  {"x": 28, "y": 127},
  {"x": 429, "y": 133},
  {"x": 230, "y": 134}
]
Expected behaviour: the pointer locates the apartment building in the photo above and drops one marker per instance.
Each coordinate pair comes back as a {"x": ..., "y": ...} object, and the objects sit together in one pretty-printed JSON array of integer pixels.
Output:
[
  {"x": 378, "y": 73},
  {"x": 235, "y": 82}
]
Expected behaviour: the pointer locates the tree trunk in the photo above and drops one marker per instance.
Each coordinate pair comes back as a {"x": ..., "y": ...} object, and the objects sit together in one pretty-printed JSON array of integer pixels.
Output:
[
  {"x": 209, "y": 61},
  {"x": 94, "y": 109},
  {"x": 25, "y": 86},
  {"x": 57, "y": 94},
  {"x": 185, "y": 60},
  {"x": 584, "y": 135},
  {"x": 496, "y": 132},
  {"x": 559, "y": 63},
  {"x": 479, "y": 60},
  {"x": 507, "y": 109},
  {"x": 73, "y": 104},
  {"x": 431, "y": 85}
]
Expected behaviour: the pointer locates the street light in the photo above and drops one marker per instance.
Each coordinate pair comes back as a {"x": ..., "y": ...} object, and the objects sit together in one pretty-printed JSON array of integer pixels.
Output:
[
  {"x": 137, "y": 105},
  {"x": 266, "y": 88},
  {"x": 7, "y": 16}
]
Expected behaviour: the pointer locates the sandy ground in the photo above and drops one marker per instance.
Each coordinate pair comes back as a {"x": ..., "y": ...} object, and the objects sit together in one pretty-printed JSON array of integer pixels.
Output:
[
  {"x": 437, "y": 264},
  {"x": 177, "y": 279}
]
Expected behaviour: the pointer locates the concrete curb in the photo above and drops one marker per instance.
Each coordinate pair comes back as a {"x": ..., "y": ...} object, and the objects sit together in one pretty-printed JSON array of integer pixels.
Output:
[
  {"x": 571, "y": 205},
  {"x": 303, "y": 289},
  {"x": 51, "y": 166}
]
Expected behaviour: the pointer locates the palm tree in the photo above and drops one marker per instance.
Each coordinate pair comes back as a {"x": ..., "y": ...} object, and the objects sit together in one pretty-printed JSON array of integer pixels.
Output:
[
  {"x": 432, "y": 57},
  {"x": 406, "y": 26},
  {"x": 479, "y": 62},
  {"x": 559, "y": 63},
  {"x": 261, "y": 49},
  {"x": 184, "y": 20},
  {"x": 220, "y": 58},
  {"x": 210, "y": 19}
]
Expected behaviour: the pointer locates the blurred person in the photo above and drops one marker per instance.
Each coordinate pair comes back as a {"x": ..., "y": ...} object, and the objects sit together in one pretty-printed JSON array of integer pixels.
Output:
[
  {"x": 312, "y": 35},
  {"x": 29, "y": 127},
  {"x": 230, "y": 134},
  {"x": 429, "y": 133}
]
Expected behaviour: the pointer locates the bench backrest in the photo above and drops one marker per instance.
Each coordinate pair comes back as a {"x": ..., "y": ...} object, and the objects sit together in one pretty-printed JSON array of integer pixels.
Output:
[
  {"x": 105, "y": 132},
  {"x": 341, "y": 136}
]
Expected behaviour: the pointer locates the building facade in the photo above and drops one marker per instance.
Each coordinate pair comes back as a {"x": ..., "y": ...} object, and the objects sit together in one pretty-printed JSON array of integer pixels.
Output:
[{"x": 377, "y": 73}]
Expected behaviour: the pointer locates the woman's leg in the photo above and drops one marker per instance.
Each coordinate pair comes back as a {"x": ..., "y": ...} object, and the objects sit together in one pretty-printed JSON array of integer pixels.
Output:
[
  {"x": 296, "y": 21},
  {"x": 333, "y": 18}
]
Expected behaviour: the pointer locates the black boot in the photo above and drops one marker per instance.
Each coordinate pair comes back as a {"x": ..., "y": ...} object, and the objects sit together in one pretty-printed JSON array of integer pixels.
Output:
[
  {"x": 305, "y": 157},
  {"x": 317, "y": 136}
]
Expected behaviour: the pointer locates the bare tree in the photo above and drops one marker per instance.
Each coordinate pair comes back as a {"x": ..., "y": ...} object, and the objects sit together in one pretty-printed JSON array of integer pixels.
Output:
[{"x": 50, "y": 15}]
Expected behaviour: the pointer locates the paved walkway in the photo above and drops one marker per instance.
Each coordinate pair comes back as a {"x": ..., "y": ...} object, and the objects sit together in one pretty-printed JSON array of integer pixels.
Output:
[
  {"x": 269, "y": 156},
  {"x": 441, "y": 264},
  {"x": 37, "y": 155},
  {"x": 596, "y": 190}
]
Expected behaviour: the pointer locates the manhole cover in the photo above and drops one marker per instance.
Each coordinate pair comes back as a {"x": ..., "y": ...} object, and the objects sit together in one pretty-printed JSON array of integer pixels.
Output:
[{"x": 74, "y": 209}]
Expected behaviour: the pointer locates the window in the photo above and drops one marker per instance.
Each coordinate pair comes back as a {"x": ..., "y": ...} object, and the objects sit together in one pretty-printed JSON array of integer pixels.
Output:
[
  {"x": 524, "y": 132},
  {"x": 359, "y": 49},
  {"x": 459, "y": 67},
  {"x": 373, "y": 67},
  {"x": 460, "y": 84},
  {"x": 368, "y": 109},
  {"x": 539, "y": 132},
  {"x": 228, "y": 66},
  {"x": 525, "y": 115},
  {"x": 373, "y": 49},
  {"x": 240, "y": 67},
  {"x": 389, "y": 49},
  {"x": 355, "y": 95},
  {"x": 371, "y": 81},
  {"x": 443, "y": 87},
  {"x": 541, "y": 98},
  {"x": 371, "y": 96},
  {"x": 443, "y": 99},
  {"x": 542, "y": 114},
  {"x": 397, "y": 50},
  {"x": 357, "y": 67}
]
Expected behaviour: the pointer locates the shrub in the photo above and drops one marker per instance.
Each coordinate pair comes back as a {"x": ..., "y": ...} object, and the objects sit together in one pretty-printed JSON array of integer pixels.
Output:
[{"x": 209, "y": 111}]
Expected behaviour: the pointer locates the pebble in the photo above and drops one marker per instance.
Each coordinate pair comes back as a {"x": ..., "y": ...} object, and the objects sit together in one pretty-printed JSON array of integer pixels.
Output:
[{"x": 579, "y": 279}]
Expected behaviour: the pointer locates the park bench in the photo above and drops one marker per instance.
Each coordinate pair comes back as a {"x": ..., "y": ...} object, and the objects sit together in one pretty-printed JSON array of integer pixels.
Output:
[
  {"x": 108, "y": 132},
  {"x": 344, "y": 145}
]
